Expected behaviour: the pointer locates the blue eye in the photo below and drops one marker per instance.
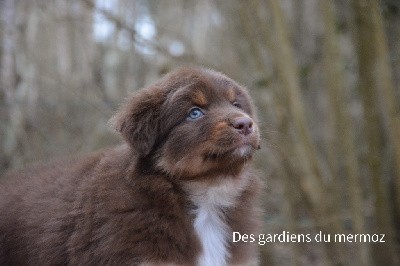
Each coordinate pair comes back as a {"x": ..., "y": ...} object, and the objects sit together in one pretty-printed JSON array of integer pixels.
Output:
[{"x": 195, "y": 113}]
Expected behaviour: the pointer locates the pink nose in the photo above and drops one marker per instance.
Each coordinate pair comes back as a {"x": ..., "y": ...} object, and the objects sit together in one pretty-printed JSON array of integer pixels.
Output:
[{"x": 244, "y": 125}]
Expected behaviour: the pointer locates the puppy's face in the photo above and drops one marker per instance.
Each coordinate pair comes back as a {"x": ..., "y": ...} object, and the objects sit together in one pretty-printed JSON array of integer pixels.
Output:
[{"x": 194, "y": 123}]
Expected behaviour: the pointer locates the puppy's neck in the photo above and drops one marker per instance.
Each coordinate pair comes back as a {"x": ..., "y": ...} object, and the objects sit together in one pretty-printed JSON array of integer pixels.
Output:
[{"x": 212, "y": 200}]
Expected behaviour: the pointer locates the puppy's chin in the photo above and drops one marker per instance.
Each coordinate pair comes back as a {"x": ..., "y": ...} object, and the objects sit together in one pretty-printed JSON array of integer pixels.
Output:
[
  {"x": 197, "y": 166},
  {"x": 243, "y": 152},
  {"x": 237, "y": 154},
  {"x": 208, "y": 159}
]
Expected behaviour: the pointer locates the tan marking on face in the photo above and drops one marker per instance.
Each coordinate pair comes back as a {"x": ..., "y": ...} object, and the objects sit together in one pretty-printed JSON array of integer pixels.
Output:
[
  {"x": 218, "y": 128},
  {"x": 231, "y": 93},
  {"x": 199, "y": 98}
]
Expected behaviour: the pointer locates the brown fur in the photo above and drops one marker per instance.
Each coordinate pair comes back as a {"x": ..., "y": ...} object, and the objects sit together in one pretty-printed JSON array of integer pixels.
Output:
[{"x": 130, "y": 204}]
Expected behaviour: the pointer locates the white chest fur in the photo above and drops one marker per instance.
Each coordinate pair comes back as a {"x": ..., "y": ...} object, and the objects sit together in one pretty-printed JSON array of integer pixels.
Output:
[
  {"x": 213, "y": 232},
  {"x": 210, "y": 222}
]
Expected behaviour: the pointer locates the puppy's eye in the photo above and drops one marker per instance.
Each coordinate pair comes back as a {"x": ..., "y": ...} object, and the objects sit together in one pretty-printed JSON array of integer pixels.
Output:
[
  {"x": 195, "y": 113},
  {"x": 236, "y": 104}
]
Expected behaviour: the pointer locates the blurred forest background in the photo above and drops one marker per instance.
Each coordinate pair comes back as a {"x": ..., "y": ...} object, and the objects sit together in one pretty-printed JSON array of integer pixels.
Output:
[{"x": 325, "y": 75}]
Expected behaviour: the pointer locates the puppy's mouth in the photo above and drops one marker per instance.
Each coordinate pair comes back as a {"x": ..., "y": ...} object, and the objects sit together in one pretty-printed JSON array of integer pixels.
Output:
[{"x": 242, "y": 151}]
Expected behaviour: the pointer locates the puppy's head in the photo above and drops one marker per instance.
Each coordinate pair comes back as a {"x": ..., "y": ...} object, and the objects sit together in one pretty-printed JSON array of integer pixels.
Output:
[{"x": 193, "y": 123}]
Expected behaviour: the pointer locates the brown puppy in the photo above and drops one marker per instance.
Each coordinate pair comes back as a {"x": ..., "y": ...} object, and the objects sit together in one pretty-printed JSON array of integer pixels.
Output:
[{"x": 173, "y": 194}]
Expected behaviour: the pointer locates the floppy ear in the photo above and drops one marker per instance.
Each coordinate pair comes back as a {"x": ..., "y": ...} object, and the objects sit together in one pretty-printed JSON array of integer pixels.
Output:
[{"x": 138, "y": 119}]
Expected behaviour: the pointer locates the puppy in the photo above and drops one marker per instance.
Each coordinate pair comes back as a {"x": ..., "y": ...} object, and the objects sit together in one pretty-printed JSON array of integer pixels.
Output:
[{"x": 174, "y": 193}]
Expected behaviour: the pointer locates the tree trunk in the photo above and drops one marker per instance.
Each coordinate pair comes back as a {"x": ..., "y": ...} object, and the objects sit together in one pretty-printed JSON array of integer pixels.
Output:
[
  {"x": 369, "y": 76},
  {"x": 288, "y": 75},
  {"x": 10, "y": 128},
  {"x": 342, "y": 126},
  {"x": 384, "y": 84},
  {"x": 314, "y": 176}
]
